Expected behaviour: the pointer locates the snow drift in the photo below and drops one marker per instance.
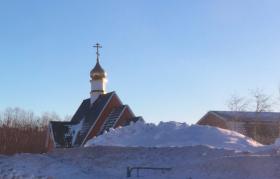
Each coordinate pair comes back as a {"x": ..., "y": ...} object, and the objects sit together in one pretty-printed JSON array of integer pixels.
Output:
[{"x": 174, "y": 134}]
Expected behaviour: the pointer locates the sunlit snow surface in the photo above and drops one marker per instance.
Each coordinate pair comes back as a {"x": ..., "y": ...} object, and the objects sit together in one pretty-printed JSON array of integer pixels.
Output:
[
  {"x": 195, "y": 152},
  {"x": 174, "y": 134}
]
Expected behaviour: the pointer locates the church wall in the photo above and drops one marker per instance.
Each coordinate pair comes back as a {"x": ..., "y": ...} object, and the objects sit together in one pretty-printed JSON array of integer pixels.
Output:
[
  {"x": 97, "y": 88},
  {"x": 114, "y": 102},
  {"x": 97, "y": 85}
]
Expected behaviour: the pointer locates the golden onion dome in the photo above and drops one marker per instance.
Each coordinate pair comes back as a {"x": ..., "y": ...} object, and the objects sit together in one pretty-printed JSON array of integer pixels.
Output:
[{"x": 97, "y": 73}]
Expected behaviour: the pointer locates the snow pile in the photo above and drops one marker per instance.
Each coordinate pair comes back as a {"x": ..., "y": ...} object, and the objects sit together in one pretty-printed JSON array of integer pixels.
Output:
[
  {"x": 270, "y": 149},
  {"x": 174, "y": 134},
  {"x": 277, "y": 142}
]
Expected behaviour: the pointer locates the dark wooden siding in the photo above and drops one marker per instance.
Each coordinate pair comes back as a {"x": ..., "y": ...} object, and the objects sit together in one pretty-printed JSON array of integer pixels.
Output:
[
  {"x": 212, "y": 120},
  {"x": 263, "y": 132}
]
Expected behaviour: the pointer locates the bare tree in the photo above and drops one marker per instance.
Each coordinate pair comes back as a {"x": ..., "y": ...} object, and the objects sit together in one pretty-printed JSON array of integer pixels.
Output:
[
  {"x": 22, "y": 131},
  {"x": 49, "y": 116},
  {"x": 262, "y": 101},
  {"x": 67, "y": 117},
  {"x": 237, "y": 103}
]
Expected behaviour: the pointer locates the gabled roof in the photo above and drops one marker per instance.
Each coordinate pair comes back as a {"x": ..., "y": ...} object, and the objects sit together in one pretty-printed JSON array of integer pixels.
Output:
[
  {"x": 60, "y": 130},
  {"x": 112, "y": 118},
  {"x": 247, "y": 116},
  {"x": 82, "y": 110},
  {"x": 93, "y": 113},
  {"x": 85, "y": 117}
]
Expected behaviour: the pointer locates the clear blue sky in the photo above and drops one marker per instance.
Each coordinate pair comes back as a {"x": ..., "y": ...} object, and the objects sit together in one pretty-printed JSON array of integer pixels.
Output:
[{"x": 169, "y": 60}]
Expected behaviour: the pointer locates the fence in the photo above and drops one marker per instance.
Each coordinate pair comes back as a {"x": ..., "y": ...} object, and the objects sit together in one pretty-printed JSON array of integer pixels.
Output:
[{"x": 130, "y": 169}]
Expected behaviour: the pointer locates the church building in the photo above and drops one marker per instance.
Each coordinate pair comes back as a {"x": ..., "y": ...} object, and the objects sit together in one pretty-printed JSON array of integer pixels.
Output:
[{"x": 95, "y": 115}]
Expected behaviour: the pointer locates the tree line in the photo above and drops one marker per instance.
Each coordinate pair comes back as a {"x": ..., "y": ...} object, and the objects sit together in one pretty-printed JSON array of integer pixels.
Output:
[
  {"x": 257, "y": 101},
  {"x": 21, "y": 131}
]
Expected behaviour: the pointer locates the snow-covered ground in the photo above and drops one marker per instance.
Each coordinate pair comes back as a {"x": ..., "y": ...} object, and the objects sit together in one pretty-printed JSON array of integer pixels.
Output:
[
  {"x": 191, "y": 151},
  {"x": 105, "y": 162}
]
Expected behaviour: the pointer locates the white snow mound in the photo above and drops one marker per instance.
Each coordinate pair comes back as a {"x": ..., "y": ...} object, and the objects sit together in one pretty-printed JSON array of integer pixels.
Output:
[{"x": 174, "y": 134}]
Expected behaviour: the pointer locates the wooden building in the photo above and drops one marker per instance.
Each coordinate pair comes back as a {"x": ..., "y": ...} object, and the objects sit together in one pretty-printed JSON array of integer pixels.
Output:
[
  {"x": 263, "y": 127},
  {"x": 95, "y": 115}
]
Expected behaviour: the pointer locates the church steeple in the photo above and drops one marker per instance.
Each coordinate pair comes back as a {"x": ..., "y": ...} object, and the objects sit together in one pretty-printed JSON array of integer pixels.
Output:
[
  {"x": 97, "y": 72},
  {"x": 98, "y": 77}
]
